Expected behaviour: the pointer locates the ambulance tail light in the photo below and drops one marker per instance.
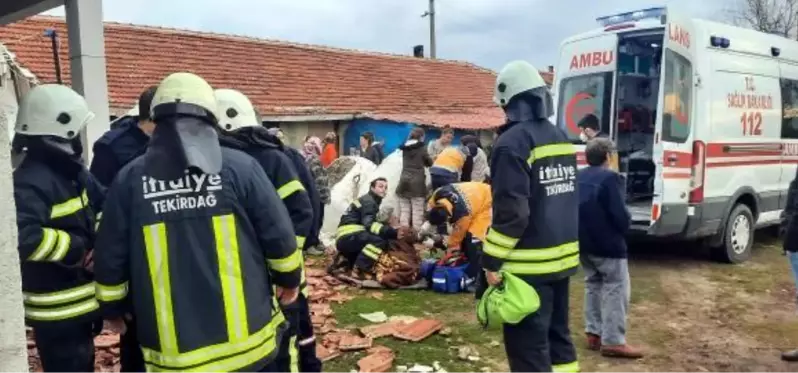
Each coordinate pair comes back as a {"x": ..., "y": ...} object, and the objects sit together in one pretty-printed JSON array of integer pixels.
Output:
[{"x": 697, "y": 172}]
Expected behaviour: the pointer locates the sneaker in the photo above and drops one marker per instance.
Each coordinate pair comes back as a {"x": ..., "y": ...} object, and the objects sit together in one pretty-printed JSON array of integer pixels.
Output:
[
  {"x": 790, "y": 355},
  {"x": 593, "y": 341},
  {"x": 621, "y": 351},
  {"x": 315, "y": 251}
]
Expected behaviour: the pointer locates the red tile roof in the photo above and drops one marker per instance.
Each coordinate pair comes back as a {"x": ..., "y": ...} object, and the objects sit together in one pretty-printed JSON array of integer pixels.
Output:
[{"x": 280, "y": 78}]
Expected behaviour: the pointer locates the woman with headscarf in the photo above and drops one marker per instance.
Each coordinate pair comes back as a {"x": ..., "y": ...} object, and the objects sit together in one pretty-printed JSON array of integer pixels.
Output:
[
  {"x": 311, "y": 150},
  {"x": 330, "y": 153}
]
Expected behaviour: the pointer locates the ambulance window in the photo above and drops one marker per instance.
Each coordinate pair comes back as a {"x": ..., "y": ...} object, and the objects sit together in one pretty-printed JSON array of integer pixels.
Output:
[
  {"x": 678, "y": 89},
  {"x": 583, "y": 95},
  {"x": 789, "y": 102}
]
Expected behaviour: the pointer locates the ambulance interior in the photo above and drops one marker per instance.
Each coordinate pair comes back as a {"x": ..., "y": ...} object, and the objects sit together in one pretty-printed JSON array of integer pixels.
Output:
[{"x": 636, "y": 98}]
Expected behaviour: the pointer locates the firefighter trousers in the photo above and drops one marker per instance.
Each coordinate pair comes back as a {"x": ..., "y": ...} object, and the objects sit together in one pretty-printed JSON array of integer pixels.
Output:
[
  {"x": 66, "y": 348},
  {"x": 298, "y": 346},
  {"x": 131, "y": 358},
  {"x": 541, "y": 342},
  {"x": 362, "y": 249}
]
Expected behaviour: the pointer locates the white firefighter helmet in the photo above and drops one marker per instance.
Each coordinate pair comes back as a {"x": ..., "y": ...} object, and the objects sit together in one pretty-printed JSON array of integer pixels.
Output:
[
  {"x": 184, "y": 88},
  {"x": 235, "y": 110},
  {"x": 53, "y": 110},
  {"x": 516, "y": 77}
]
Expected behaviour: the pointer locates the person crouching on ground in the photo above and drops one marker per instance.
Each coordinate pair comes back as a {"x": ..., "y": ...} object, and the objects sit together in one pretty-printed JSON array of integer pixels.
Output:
[{"x": 603, "y": 222}]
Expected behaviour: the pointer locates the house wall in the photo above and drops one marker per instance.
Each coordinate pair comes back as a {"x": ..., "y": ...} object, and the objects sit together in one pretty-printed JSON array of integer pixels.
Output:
[{"x": 13, "y": 347}]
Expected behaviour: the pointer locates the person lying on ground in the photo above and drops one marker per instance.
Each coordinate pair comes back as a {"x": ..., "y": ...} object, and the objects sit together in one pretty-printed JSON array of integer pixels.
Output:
[{"x": 603, "y": 222}]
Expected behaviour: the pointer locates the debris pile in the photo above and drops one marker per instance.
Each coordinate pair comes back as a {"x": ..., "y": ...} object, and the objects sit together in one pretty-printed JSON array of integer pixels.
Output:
[{"x": 106, "y": 353}]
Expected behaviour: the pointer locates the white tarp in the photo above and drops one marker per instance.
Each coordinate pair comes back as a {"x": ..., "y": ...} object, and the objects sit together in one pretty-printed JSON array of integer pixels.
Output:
[{"x": 356, "y": 184}]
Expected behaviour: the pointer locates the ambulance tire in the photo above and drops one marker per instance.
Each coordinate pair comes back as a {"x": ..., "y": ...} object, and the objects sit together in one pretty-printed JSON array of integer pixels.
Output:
[{"x": 738, "y": 236}]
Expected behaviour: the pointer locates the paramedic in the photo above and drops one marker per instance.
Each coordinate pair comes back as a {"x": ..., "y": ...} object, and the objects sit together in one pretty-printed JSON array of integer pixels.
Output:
[
  {"x": 467, "y": 206},
  {"x": 534, "y": 232},
  {"x": 184, "y": 224},
  {"x": 121, "y": 145},
  {"x": 360, "y": 238},
  {"x": 590, "y": 130},
  {"x": 448, "y": 166},
  {"x": 241, "y": 129},
  {"x": 602, "y": 244},
  {"x": 55, "y": 220}
]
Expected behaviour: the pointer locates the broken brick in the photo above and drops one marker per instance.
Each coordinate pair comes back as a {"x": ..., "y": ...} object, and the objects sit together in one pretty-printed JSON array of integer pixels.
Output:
[
  {"x": 326, "y": 354},
  {"x": 379, "y": 349},
  {"x": 418, "y": 330},
  {"x": 106, "y": 341},
  {"x": 315, "y": 272},
  {"x": 380, "y": 361},
  {"x": 332, "y": 281},
  {"x": 352, "y": 342},
  {"x": 382, "y": 330}
]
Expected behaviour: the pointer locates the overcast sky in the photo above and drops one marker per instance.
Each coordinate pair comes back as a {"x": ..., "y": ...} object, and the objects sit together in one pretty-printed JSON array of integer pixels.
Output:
[{"x": 486, "y": 32}]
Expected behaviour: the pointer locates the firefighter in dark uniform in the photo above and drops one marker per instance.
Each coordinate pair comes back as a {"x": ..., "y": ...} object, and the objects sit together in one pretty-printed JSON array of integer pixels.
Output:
[
  {"x": 534, "y": 232},
  {"x": 360, "y": 238},
  {"x": 241, "y": 129},
  {"x": 126, "y": 141},
  {"x": 56, "y": 202},
  {"x": 185, "y": 224},
  {"x": 112, "y": 151}
]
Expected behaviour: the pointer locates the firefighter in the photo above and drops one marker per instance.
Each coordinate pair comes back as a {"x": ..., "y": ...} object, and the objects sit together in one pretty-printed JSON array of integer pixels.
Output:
[
  {"x": 185, "y": 224},
  {"x": 56, "y": 201},
  {"x": 115, "y": 148},
  {"x": 360, "y": 238},
  {"x": 448, "y": 166},
  {"x": 123, "y": 143},
  {"x": 241, "y": 129},
  {"x": 467, "y": 206},
  {"x": 534, "y": 232}
]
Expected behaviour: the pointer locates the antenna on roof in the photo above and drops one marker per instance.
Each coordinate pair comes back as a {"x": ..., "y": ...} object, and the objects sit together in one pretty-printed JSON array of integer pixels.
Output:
[{"x": 53, "y": 35}]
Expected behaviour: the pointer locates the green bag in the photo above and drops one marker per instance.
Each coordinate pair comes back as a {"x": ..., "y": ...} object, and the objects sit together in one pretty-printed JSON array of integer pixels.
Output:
[{"x": 508, "y": 303}]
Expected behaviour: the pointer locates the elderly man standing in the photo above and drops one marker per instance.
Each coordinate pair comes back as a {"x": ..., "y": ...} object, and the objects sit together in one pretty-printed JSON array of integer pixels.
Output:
[{"x": 603, "y": 222}]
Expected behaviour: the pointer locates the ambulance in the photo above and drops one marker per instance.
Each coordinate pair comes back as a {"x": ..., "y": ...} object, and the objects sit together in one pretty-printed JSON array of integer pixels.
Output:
[{"x": 704, "y": 116}]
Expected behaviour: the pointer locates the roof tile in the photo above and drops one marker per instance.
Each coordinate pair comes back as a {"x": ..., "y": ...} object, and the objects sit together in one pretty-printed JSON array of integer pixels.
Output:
[{"x": 280, "y": 78}]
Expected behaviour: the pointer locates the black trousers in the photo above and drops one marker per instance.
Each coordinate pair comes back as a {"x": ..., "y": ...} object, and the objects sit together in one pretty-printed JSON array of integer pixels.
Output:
[
  {"x": 130, "y": 356},
  {"x": 313, "y": 238},
  {"x": 298, "y": 347},
  {"x": 442, "y": 179},
  {"x": 66, "y": 348},
  {"x": 541, "y": 342},
  {"x": 354, "y": 248}
]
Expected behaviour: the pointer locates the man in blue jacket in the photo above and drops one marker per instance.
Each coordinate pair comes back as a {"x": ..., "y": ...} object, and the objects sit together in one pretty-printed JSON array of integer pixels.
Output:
[{"x": 603, "y": 222}]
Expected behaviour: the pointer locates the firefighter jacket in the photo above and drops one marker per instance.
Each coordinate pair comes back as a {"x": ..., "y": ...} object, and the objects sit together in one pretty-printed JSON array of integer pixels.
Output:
[
  {"x": 362, "y": 216},
  {"x": 451, "y": 159},
  {"x": 469, "y": 208},
  {"x": 182, "y": 249},
  {"x": 116, "y": 148},
  {"x": 534, "y": 232},
  {"x": 55, "y": 222},
  {"x": 255, "y": 141}
]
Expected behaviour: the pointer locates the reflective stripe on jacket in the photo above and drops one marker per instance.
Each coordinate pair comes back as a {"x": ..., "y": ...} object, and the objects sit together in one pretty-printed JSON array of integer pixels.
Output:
[{"x": 201, "y": 255}]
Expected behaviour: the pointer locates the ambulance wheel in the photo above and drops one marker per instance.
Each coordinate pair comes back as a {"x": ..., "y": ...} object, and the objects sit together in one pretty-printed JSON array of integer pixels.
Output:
[{"x": 738, "y": 236}]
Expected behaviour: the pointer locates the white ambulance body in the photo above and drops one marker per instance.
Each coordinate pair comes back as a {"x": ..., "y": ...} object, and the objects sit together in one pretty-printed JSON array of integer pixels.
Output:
[{"x": 704, "y": 115}]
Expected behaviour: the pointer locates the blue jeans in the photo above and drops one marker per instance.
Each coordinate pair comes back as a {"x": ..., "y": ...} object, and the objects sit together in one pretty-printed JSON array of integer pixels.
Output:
[{"x": 793, "y": 259}]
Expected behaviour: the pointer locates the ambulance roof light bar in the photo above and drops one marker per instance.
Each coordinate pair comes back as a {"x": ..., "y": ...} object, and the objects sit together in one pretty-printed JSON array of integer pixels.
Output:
[{"x": 637, "y": 15}]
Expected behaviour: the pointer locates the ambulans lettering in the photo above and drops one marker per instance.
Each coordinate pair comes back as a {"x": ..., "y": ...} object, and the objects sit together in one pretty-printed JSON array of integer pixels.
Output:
[
  {"x": 679, "y": 35},
  {"x": 592, "y": 59},
  {"x": 557, "y": 179},
  {"x": 790, "y": 149},
  {"x": 191, "y": 192}
]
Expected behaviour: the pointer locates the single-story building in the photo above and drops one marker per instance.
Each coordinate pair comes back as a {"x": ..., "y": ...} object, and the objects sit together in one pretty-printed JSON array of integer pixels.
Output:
[{"x": 304, "y": 89}]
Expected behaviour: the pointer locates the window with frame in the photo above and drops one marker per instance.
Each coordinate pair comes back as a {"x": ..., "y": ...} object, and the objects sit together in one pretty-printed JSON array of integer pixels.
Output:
[
  {"x": 789, "y": 104},
  {"x": 678, "y": 90},
  {"x": 583, "y": 95}
]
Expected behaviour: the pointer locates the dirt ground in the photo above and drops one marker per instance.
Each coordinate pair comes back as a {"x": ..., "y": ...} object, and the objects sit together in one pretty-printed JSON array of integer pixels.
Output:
[{"x": 690, "y": 314}]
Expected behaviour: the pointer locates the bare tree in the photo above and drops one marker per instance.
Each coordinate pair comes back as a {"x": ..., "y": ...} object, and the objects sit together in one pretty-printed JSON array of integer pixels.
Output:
[{"x": 779, "y": 17}]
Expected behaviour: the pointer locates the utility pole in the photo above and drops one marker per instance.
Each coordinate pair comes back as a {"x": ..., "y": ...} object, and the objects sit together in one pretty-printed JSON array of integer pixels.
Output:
[{"x": 431, "y": 14}]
